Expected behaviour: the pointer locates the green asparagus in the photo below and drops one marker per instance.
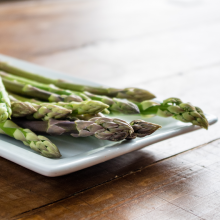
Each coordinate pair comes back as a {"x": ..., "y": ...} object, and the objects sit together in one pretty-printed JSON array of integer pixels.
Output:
[
  {"x": 47, "y": 87},
  {"x": 102, "y": 128},
  {"x": 31, "y": 91},
  {"x": 39, "y": 144},
  {"x": 5, "y": 105},
  {"x": 77, "y": 108},
  {"x": 115, "y": 105},
  {"x": 16, "y": 98},
  {"x": 85, "y": 107},
  {"x": 142, "y": 128},
  {"x": 35, "y": 111},
  {"x": 134, "y": 94},
  {"x": 174, "y": 107},
  {"x": 58, "y": 110}
]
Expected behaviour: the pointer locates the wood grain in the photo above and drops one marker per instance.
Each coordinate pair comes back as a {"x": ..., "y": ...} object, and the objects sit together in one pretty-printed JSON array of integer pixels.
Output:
[
  {"x": 169, "y": 47},
  {"x": 175, "y": 188}
]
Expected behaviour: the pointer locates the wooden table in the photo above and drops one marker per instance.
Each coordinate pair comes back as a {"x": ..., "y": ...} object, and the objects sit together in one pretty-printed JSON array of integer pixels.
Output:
[{"x": 170, "y": 47}]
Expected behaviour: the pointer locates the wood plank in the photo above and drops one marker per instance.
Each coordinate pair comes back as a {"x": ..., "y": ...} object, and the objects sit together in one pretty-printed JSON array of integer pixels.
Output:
[
  {"x": 175, "y": 188},
  {"x": 17, "y": 179},
  {"x": 152, "y": 58},
  {"x": 50, "y": 26}
]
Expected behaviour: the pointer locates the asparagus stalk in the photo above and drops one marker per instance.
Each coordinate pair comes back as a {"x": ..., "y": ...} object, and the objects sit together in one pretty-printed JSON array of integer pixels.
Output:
[
  {"x": 23, "y": 109},
  {"x": 39, "y": 144},
  {"x": 85, "y": 107},
  {"x": 35, "y": 111},
  {"x": 134, "y": 94},
  {"x": 47, "y": 87},
  {"x": 17, "y": 98},
  {"x": 89, "y": 107},
  {"x": 174, "y": 107},
  {"x": 102, "y": 128},
  {"x": 115, "y": 104},
  {"x": 14, "y": 98},
  {"x": 31, "y": 91},
  {"x": 5, "y": 105},
  {"x": 60, "y": 110},
  {"x": 87, "y": 117},
  {"x": 142, "y": 128}
]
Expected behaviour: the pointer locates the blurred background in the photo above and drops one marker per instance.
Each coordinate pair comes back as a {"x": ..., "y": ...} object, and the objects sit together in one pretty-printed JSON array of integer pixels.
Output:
[{"x": 120, "y": 42}]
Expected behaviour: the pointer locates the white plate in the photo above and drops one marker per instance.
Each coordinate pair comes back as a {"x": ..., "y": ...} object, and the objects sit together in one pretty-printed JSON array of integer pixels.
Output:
[{"x": 79, "y": 153}]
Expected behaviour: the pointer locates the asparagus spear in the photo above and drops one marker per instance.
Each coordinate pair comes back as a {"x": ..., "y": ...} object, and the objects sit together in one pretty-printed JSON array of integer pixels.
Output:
[
  {"x": 23, "y": 109},
  {"x": 31, "y": 91},
  {"x": 115, "y": 104},
  {"x": 77, "y": 108},
  {"x": 142, "y": 128},
  {"x": 102, "y": 128},
  {"x": 85, "y": 107},
  {"x": 32, "y": 110},
  {"x": 59, "y": 110},
  {"x": 184, "y": 112},
  {"x": 17, "y": 98},
  {"x": 47, "y": 87},
  {"x": 5, "y": 105},
  {"x": 14, "y": 98},
  {"x": 39, "y": 144},
  {"x": 134, "y": 94},
  {"x": 174, "y": 107},
  {"x": 86, "y": 117}
]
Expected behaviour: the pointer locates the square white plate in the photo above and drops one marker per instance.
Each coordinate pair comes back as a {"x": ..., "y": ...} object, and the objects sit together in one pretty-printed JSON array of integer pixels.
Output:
[{"x": 79, "y": 153}]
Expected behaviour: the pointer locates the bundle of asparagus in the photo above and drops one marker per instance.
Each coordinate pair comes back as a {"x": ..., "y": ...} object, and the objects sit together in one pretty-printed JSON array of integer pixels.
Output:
[
  {"x": 59, "y": 107},
  {"x": 51, "y": 93},
  {"x": 184, "y": 112},
  {"x": 102, "y": 128},
  {"x": 134, "y": 94},
  {"x": 171, "y": 107}
]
